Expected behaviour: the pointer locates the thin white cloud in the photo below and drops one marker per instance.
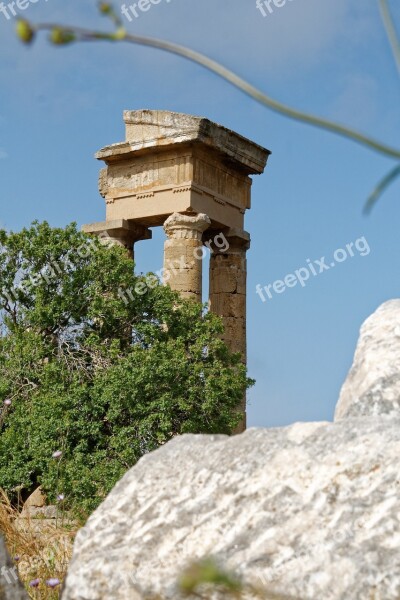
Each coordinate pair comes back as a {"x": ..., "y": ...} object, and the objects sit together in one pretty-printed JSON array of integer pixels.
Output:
[{"x": 3, "y": 154}]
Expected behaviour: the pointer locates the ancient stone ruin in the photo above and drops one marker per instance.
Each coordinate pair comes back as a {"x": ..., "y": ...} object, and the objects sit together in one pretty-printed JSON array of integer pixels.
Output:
[
  {"x": 305, "y": 512},
  {"x": 192, "y": 177}
]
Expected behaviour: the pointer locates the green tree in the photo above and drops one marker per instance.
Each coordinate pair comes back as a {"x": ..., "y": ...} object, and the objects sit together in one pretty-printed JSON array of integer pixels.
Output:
[{"x": 85, "y": 372}]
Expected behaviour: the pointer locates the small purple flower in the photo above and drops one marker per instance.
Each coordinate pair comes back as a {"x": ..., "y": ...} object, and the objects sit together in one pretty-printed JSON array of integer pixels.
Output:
[
  {"x": 57, "y": 454},
  {"x": 7, "y": 402},
  {"x": 53, "y": 582},
  {"x": 34, "y": 583},
  {"x": 17, "y": 558},
  {"x": 60, "y": 497}
]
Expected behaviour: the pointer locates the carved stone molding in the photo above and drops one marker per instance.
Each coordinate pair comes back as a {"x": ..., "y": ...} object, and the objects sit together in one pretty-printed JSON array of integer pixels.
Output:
[
  {"x": 103, "y": 182},
  {"x": 188, "y": 227}
]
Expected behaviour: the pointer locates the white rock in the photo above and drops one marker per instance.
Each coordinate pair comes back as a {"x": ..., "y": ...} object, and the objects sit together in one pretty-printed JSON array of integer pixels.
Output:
[
  {"x": 10, "y": 586},
  {"x": 311, "y": 510},
  {"x": 372, "y": 386}
]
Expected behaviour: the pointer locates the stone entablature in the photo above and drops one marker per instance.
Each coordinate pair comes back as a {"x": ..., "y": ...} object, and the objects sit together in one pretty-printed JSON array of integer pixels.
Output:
[
  {"x": 147, "y": 130},
  {"x": 172, "y": 168}
]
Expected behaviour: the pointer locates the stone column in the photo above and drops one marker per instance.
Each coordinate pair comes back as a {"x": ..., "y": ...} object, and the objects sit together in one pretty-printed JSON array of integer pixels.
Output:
[
  {"x": 228, "y": 274},
  {"x": 183, "y": 253},
  {"x": 119, "y": 233}
]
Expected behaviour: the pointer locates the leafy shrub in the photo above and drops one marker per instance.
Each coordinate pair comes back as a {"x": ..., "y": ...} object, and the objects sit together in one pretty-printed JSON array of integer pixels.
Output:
[{"x": 101, "y": 379}]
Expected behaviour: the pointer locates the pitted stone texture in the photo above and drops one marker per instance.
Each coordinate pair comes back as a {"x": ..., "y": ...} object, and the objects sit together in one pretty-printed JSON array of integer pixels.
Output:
[
  {"x": 10, "y": 585},
  {"x": 372, "y": 386},
  {"x": 103, "y": 183},
  {"x": 230, "y": 305},
  {"x": 311, "y": 510}
]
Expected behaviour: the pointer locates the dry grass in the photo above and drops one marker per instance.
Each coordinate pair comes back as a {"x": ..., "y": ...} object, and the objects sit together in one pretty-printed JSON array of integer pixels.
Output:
[{"x": 44, "y": 548}]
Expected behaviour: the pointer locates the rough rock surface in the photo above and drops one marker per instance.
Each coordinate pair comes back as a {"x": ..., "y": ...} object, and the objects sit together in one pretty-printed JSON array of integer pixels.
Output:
[
  {"x": 10, "y": 586},
  {"x": 310, "y": 510},
  {"x": 35, "y": 507},
  {"x": 372, "y": 386}
]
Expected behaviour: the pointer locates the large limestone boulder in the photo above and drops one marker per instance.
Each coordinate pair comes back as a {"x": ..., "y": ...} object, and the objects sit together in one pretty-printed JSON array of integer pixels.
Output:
[
  {"x": 10, "y": 586},
  {"x": 310, "y": 511},
  {"x": 373, "y": 384}
]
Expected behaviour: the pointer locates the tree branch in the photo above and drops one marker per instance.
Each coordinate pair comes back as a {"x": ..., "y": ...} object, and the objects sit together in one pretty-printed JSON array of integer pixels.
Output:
[
  {"x": 381, "y": 188},
  {"x": 67, "y": 34},
  {"x": 390, "y": 30}
]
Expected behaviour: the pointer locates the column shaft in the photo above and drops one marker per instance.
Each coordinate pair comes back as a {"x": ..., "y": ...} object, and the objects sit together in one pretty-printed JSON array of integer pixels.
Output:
[
  {"x": 183, "y": 254},
  {"x": 228, "y": 274}
]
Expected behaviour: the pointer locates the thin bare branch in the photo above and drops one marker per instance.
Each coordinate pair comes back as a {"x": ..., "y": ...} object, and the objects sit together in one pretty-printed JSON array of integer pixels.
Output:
[
  {"x": 381, "y": 188},
  {"x": 390, "y": 30},
  {"x": 213, "y": 66}
]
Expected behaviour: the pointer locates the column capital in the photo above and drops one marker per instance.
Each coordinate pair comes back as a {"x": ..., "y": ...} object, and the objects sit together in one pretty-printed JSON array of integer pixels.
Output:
[
  {"x": 189, "y": 227},
  {"x": 118, "y": 232}
]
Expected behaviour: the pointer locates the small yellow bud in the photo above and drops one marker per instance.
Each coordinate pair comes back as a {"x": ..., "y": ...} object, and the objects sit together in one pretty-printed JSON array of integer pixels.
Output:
[
  {"x": 24, "y": 31},
  {"x": 105, "y": 8},
  {"x": 120, "y": 34}
]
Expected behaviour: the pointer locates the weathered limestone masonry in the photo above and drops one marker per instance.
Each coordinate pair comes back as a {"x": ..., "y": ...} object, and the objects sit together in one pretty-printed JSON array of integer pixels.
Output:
[
  {"x": 184, "y": 248},
  {"x": 191, "y": 176}
]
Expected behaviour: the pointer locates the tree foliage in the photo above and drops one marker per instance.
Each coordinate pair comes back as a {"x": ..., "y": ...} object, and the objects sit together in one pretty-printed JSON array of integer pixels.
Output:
[{"x": 99, "y": 378}]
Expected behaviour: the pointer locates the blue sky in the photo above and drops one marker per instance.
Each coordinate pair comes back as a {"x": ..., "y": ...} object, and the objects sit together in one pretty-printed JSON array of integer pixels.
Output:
[{"x": 58, "y": 106}]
